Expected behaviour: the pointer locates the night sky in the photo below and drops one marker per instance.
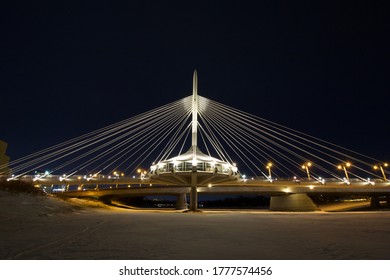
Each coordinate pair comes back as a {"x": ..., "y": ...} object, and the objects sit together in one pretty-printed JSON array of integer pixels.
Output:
[{"x": 70, "y": 67}]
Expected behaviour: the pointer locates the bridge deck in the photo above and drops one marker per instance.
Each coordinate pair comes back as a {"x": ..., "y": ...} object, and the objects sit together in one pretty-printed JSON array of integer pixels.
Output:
[{"x": 134, "y": 186}]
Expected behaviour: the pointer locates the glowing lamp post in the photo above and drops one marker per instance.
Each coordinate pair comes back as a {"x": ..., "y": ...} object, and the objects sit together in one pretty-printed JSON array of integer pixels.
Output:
[
  {"x": 306, "y": 167},
  {"x": 379, "y": 166},
  {"x": 344, "y": 167},
  {"x": 269, "y": 166},
  {"x": 142, "y": 173}
]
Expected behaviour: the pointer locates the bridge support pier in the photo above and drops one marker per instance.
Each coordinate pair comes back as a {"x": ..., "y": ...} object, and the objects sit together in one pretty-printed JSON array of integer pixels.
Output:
[
  {"x": 181, "y": 202},
  {"x": 292, "y": 202},
  {"x": 194, "y": 191},
  {"x": 194, "y": 199},
  {"x": 375, "y": 202}
]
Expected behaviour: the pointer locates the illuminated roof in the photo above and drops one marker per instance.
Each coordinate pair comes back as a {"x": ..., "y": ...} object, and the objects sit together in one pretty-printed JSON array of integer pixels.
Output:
[
  {"x": 200, "y": 157},
  {"x": 187, "y": 157}
]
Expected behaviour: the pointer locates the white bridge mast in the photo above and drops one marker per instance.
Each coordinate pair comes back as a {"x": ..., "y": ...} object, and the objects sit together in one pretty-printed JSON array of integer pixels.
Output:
[
  {"x": 194, "y": 117},
  {"x": 194, "y": 180}
]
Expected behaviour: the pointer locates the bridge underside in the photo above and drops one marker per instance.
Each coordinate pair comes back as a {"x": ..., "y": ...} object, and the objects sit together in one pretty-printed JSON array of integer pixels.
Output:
[
  {"x": 285, "y": 195},
  {"x": 297, "y": 199}
]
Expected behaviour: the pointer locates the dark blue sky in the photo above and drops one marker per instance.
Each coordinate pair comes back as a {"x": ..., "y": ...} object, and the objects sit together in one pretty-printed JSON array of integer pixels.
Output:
[{"x": 67, "y": 68}]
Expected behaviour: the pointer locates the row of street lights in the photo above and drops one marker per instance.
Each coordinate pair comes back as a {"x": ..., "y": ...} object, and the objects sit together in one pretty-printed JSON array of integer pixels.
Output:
[
  {"x": 306, "y": 166},
  {"x": 344, "y": 166},
  {"x": 140, "y": 171},
  {"x": 379, "y": 166}
]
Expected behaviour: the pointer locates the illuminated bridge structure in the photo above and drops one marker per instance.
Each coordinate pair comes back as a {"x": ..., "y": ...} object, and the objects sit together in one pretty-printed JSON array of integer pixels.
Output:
[{"x": 107, "y": 163}]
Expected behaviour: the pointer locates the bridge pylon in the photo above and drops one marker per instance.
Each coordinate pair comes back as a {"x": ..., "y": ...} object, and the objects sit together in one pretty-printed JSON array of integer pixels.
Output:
[{"x": 193, "y": 168}]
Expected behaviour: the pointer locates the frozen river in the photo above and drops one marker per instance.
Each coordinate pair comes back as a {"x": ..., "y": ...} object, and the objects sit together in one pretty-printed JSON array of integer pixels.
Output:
[{"x": 48, "y": 228}]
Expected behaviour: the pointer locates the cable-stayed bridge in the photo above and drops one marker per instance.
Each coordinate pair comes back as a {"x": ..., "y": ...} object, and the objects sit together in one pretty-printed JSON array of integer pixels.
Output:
[{"x": 197, "y": 145}]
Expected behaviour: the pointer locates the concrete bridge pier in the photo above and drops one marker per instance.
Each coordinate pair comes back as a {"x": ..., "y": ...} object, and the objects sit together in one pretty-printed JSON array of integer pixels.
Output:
[
  {"x": 194, "y": 199},
  {"x": 194, "y": 191},
  {"x": 292, "y": 202},
  {"x": 375, "y": 202},
  {"x": 181, "y": 202}
]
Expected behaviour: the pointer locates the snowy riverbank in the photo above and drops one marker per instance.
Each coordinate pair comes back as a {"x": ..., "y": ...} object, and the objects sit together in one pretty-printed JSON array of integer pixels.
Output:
[{"x": 40, "y": 227}]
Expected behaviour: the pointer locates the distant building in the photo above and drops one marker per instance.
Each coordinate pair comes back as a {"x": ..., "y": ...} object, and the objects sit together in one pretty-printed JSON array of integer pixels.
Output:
[{"x": 4, "y": 159}]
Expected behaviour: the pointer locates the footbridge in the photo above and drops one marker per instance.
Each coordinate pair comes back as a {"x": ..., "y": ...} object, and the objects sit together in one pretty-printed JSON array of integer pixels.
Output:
[
  {"x": 199, "y": 146},
  {"x": 286, "y": 194}
]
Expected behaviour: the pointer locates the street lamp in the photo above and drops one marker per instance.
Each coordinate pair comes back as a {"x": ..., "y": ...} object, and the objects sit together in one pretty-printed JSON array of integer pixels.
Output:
[
  {"x": 142, "y": 173},
  {"x": 269, "y": 165},
  {"x": 344, "y": 166},
  {"x": 379, "y": 166},
  {"x": 306, "y": 167}
]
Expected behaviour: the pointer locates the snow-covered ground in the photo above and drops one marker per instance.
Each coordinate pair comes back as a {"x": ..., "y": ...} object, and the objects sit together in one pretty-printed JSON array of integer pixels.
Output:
[{"x": 33, "y": 227}]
